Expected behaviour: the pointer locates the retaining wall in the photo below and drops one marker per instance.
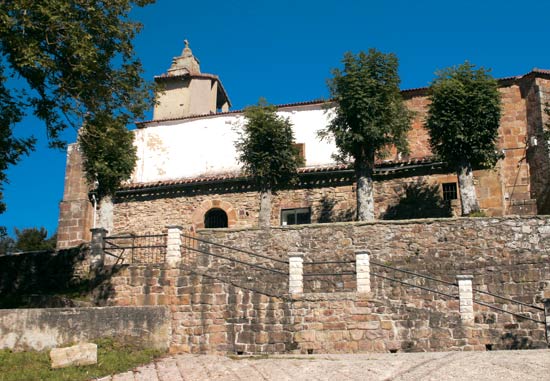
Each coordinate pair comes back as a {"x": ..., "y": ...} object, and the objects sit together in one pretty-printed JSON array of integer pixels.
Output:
[{"x": 40, "y": 329}]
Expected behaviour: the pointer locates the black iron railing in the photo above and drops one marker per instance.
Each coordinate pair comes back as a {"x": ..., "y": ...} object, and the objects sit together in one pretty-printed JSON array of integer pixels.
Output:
[
  {"x": 135, "y": 249},
  {"x": 517, "y": 304},
  {"x": 236, "y": 265}
]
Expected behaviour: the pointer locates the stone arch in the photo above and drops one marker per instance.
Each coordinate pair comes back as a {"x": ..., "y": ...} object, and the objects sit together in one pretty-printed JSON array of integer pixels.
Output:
[{"x": 205, "y": 206}]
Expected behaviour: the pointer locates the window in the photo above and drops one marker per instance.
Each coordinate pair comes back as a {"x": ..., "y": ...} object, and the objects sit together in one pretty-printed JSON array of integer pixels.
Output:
[
  {"x": 301, "y": 147},
  {"x": 449, "y": 191},
  {"x": 295, "y": 216},
  {"x": 215, "y": 218}
]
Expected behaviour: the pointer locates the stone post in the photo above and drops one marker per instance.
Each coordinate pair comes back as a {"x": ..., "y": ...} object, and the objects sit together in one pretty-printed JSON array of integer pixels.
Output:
[
  {"x": 97, "y": 248},
  {"x": 296, "y": 273},
  {"x": 362, "y": 269},
  {"x": 173, "y": 245},
  {"x": 546, "y": 302},
  {"x": 466, "y": 298}
]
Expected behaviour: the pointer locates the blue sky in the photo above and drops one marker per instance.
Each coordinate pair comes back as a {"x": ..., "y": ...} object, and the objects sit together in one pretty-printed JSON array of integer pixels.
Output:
[{"x": 284, "y": 51}]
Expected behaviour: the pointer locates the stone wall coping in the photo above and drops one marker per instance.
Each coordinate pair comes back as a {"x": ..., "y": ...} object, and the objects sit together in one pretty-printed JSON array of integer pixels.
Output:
[
  {"x": 464, "y": 277},
  {"x": 99, "y": 230},
  {"x": 314, "y": 297},
  {"x": 417, "y": 221},
  {"x": 174, "y": 227},
  {"x": 75, "y": 310},
  {"x": 363, "y": 251}
]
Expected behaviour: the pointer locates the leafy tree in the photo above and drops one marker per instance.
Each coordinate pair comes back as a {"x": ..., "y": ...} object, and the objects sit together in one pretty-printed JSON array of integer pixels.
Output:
[
  {"x": 33, "y": 239},
  {"x": 463, "y": 120},
  {"x": 268, "y": 154},
  {"x": 6, "y": 242},
  {"x": 369, "y": 119},
  {"x": 78, "y": 67}
]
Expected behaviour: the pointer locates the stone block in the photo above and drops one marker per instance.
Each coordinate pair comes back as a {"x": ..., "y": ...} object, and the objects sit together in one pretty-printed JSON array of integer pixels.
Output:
[{"x": 77, "y": 355}]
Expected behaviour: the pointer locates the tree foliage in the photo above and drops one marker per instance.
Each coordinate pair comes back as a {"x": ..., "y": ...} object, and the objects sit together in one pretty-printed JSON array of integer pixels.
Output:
[
  {"x": 34, "y": 239},
  {"x": 266, "y": 147},
  {"x": 78, "y": 63},
  {"x": 463, "y": 120},
  {"x": 369, "y": 116},
  {"x": 464, "y": 116}
]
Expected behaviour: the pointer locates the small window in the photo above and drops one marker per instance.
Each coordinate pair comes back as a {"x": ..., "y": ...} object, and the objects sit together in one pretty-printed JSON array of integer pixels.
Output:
[
  {"x": 449, "y": 191},
  {"x": 301, "y": 147},
  {"x": 215, "y": 218},
  {"x": 295, "y": 216}
]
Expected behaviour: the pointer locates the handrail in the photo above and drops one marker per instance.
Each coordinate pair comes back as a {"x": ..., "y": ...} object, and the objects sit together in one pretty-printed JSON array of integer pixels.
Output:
[
  {"x": 509, "y": 312},
  {"x": 508, "y": 299},
  {"x": 456, "y": 297},
  {"x": 327, "y": 274},
  {"x": 136, "y": 236},
  {"x": 327, "y": 262},
  {"x": 415, "y": 274},
  {"x": 237, "y": 260},
  {"x": 234, "y": 248},
  {"x": 417, "y": 286}
]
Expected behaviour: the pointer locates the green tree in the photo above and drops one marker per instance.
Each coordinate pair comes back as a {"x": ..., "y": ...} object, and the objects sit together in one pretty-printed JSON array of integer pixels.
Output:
[
  {"x": 33, "y": 239},
  {"x": 369, "y": 117},
  {"x": 267, "y": 152},
  {"x": 77, "y": 64},
  {"x": 6, "y": 242},
  {"x": 463, "y": 120}
]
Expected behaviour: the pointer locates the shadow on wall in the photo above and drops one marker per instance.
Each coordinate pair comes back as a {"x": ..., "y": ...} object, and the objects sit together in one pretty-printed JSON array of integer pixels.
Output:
[
  {"x": 331, "y": 213},
  {"x": 420, "y": 200},
  {"x": 53, "y": 280}
]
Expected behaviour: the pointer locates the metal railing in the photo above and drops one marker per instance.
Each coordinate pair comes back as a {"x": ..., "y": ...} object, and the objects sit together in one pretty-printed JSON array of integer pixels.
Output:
[
  {"x": 422, "y": 276},
  {"x": 475, "y": 291},
  {"x": 322, "y": 275},
  {"x": 136, "y": 249},
  {"x": 235, "y": 265}
]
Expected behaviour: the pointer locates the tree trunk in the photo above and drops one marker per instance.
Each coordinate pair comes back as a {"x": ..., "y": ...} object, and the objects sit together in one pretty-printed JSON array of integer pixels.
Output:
[
  {"x": 365, "y": 192},
  {"x": 467, "y": 189},
  {"x": 264, "y": 220}
]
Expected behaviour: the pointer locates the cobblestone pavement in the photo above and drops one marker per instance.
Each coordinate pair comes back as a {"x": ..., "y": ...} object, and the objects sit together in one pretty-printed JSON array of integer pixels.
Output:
[{"x": 496, "y": 365}]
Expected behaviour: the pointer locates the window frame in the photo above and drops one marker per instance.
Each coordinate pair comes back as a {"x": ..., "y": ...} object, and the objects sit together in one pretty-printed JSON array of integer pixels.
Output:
[{"x": 296, "y": 210}]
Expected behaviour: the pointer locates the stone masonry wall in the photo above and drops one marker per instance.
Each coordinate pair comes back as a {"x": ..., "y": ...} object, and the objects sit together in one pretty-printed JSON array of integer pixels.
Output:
[
  {"x": 507, "y": 256},
  {"x": 39, "y": 329},
  {"x": 75, "y": 211},
  {"x": 396, "y": 196},
  {"x": 538, "y": 154}
]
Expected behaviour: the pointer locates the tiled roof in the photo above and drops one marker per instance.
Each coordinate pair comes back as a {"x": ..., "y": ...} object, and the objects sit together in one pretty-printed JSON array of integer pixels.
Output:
[
  {"x": 406, "y": 92},
  {"x": 297, "y": 104},
  {"x": 381, "y": 166}
]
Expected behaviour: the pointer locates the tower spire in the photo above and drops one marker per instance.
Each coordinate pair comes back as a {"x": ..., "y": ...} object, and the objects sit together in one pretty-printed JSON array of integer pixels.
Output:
[{"x": 186, "y": 63}]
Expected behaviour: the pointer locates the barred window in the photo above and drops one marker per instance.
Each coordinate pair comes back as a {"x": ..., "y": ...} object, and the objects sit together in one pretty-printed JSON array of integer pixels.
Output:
[
  {"x": 215, "y": 218},
  {"x": 449, "y": 191}
]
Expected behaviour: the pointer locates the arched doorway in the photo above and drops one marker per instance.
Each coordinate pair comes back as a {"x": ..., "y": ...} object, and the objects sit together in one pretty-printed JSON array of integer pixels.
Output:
[{"x": 215, "y": 218}]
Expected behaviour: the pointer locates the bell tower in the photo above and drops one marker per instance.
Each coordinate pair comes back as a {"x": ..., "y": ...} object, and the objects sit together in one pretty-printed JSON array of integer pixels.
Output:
[{"x": 185, "y": 91}]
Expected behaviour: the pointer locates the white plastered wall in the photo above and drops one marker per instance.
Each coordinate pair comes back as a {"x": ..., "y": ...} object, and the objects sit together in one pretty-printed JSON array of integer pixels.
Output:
[{"x": 205, "y": 146}]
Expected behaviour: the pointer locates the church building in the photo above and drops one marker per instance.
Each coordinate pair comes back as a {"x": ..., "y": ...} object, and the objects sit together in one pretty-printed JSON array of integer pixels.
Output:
[{"x": 187, "y": 171}]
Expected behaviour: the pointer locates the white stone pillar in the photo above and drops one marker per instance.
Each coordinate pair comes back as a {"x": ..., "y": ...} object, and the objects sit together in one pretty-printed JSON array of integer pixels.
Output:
[
  {"x": 173, "y": 245},
  {"x": 362, "y": 269},
  {"x": 296, "y": 273},
  {"x": 466, "y": 298}
]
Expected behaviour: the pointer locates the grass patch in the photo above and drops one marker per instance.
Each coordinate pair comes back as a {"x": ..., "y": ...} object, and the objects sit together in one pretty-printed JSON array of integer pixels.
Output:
[{"x": 112, "y": 358}]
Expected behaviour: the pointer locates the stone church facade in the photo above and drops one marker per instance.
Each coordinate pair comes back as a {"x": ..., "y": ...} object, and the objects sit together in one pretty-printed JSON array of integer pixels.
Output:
[{"x": 187, "y": 173}]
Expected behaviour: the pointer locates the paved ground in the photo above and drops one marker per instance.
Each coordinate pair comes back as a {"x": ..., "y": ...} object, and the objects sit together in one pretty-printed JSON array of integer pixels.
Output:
[{"x": 495, "y": 365}]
